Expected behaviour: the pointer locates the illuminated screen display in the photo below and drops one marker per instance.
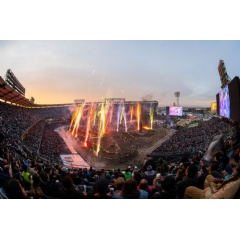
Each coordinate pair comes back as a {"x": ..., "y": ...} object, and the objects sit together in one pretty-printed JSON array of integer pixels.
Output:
[
  {"x": 228, "y": 100},
  {"x": 213, "y": 106},
  {"x": 175, "y": 111},
  {"x": 224, "y": 103}
]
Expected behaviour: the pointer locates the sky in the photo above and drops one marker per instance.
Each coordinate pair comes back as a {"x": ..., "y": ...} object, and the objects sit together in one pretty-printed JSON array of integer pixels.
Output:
[{"x": 60, "y": 71}]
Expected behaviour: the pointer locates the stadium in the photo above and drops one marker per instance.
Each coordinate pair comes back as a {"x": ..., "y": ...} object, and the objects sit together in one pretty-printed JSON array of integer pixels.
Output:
[{"x": 118, "y": 148}]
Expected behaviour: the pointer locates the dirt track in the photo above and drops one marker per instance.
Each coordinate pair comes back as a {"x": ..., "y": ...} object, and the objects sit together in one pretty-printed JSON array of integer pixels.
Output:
[
  {"x": 144, "y": 143},
  {"x": 138, "y": 160}
]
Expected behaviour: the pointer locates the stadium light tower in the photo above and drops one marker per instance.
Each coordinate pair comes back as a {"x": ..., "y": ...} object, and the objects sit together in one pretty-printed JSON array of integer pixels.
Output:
[
  {"x": 225, "y": 79},
  {"x": 177, "y": 95}
]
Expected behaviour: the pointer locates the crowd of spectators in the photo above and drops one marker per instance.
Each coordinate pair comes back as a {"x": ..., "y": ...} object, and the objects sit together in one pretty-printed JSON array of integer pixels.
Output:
[
  {"x": 186, "y": 179},
  {"x": 189, "y": 178},
  {"x": 52, "y": 144},
  {"x": 24, "y": 175},
  {"x": 23, "y": 128},
  {"x": 32, "y": 137},
  {"x": 195, "y": 139}
]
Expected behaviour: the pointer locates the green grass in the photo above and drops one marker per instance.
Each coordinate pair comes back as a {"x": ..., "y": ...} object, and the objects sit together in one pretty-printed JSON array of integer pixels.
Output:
[{"x": 193, "y": 124}]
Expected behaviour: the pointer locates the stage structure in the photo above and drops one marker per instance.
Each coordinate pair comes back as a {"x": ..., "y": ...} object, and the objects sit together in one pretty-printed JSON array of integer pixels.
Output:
[
  {"x": 115, "y": 100},
  {"x": 79, "y": 101},
  {"x": 225, "y": 79},
  {"x": 177, "y": 95}
]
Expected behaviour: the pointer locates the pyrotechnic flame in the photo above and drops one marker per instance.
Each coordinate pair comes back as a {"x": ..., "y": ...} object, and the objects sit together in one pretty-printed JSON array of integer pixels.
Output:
[
  {"x": 151, "y": 116},
  {"x": 103, "y": 121},
  {"x": 111, "y": 112},
  {"x": 78, "y": 119},
  {"x": 138, "y": 115},
  {"x": 73, "y": 117},
  {"x": 131, "y": 113},
  {"x": 89, "y": 119}
]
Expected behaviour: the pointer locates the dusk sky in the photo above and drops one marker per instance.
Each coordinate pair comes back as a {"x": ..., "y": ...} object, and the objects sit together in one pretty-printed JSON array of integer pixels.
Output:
[{"x": 62, "y": 71}]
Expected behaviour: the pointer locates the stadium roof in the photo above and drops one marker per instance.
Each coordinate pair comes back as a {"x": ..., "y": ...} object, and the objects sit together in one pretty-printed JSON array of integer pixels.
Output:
[{"x": 9, "y": 94}]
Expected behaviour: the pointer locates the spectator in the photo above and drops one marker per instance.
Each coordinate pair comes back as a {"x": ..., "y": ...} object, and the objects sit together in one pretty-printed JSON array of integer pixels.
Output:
[
  {"x": 164, "y": 168},
  {"x": 27, "y": 177},
  {"x": 179, "y": 175},
  {"x": 189, "y": 180},
  {"x": 227, "y": 189},
  {"x": 137, "y": 176},
  {"x": 149, "y": 161},
  {"x": 49, "y": 188},
  {"x": 68, "y": 190},
  {"x": 130, "y": 190},
  {"x": 168, "y": 191},
  {"x": 14, "y": 190},
  {"x": 127, "y": 174},
  {"x": 214, "y": 170},
  {"x": 149, "y": 175},
  {"x": 4, "y": 174},
  {"x": 36, "y": 191},
  {"x": 143, "y": 185},
  {"x": 227, "y": 172},
  {"x": 119, "y": 173},
  {"x": 118, "y": 186},
  {"x": 102, "y": 189},
  {"x": 156, "y": 187}
]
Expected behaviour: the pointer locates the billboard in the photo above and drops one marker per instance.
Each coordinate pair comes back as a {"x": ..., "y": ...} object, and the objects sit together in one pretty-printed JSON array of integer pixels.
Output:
[
  {"x": 11, "y": 80},
  {"x": 213, "y": 106},
  {"x": 175, "y": 111},
  {"x": 228, "y": 100}
]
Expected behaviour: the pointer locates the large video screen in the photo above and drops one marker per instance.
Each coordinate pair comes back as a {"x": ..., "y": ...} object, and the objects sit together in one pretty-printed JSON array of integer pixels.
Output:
[
  {"x": 175, "y": 111},
  {"x": 228, "y": 100},
  {"x": 224, "y": 103}
]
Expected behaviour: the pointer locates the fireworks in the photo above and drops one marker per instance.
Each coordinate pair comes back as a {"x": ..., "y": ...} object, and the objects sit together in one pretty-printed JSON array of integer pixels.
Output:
[
  {"x": 103, "y": 121},
  {"x": 76, "y": 119},
  {"x": 151, "y": 117},
  {"x": 131, "y": 113},
  {"x": 89, "y": 120},
  {"x": 138, "y": 110},
  {"x": 95, "y": 119}
]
